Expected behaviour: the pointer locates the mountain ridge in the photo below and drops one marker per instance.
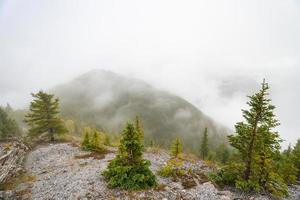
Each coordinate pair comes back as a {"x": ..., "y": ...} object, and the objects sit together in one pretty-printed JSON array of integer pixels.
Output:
[{"x": 107, "y": 100}]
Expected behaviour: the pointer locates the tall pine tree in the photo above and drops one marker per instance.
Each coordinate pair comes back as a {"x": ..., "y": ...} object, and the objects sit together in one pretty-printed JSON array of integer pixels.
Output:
[
  {"x": 204, "y": 145},
  {"x": 257, "y": 165},
  {"x": 258, "y": 145},
  {"x": 43, "y": 116},
  {"x": 255, "y": 136}
]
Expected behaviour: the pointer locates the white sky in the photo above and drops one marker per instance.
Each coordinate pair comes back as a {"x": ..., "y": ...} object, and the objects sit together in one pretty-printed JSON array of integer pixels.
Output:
[{"x": 213, "y": 53}]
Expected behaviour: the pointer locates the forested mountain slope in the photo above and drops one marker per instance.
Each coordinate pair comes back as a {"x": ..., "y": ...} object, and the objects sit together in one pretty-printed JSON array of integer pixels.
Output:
[{"x": 107, "y": 100}]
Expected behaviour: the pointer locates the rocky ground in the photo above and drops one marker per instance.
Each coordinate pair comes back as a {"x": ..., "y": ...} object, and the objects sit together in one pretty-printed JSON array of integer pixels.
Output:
[{"x": 63, "y": 171}]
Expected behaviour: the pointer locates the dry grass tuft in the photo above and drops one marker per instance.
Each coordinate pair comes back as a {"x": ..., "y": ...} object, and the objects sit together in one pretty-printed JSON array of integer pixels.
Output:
[
  {"x": 24, "y": 192},
  {"x": 160, "y": 187},
  {"x": 154, "y": 150},
  {"x": 75, "y": 144},
  {"x": 95, "y": 155},
  {"x": 24, "y": 178}
]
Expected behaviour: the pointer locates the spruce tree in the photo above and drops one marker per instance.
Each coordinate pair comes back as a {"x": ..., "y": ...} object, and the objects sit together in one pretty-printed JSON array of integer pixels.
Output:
[
  {"x": 286, "y": 167},
  {"x": 107, "y": 139},
  {"x": 95, "y": 142},
  {"x": 8, "y": 109},
  {"x": 139, "y": 128},
  {"x": 254, "y": 135},
  {"x": 222, "y": 153},
  {"x": 8, "y": 126},
  {"x": 204, "y": 145},
  {"x": 129, "y": 170},
  {"x": 85, "y": 144},
  {"x": 296, "y": 157},
  {"x": 151, "y": 143},
  {"x": 176, "y": 148},
  {"x": 43, "y": 116},
  {"x": 258, "y": 145},
  {"x": 131, "y": 145}
]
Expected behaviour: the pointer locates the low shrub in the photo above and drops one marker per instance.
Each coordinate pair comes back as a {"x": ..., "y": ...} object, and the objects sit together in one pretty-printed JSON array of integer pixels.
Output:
[
  {"x": 277, "y": 186},
  {"x": 232, "y": 175},
  {"x": 248, "y": 185},
  {"x": 92, "y": 144},
  {"x": 129, "y": 177},
  {"x": 226, "y": 175},
  {"x": 172, "y": 169}
]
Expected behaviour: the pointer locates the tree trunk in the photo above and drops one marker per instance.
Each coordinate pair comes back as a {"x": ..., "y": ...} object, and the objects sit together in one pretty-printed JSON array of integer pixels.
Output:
[
  {"x": 51, "y": 135},
  {"x": 247, "y": 171}
]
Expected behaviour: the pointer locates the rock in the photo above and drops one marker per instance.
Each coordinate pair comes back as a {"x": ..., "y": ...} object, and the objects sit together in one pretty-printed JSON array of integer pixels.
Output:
[
  {"x": 188, "y": 182},
  {"x": 43, "y": 172},
  {"x": 225, "y": 193},
  {"x": 6, "y": 195},
  {"x": 225, "y": 198}
]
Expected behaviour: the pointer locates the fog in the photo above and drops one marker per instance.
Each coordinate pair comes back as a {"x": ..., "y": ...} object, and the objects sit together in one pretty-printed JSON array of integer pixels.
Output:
[{"x": 212, "y": 53}]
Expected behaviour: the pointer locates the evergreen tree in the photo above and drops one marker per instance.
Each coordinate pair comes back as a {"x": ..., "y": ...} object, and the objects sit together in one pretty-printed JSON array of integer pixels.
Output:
[
  {"x": 85, "y": 144},
  {"x": 129, "y": 170},
  {"x": 8, "y": 108},
  {"x": 256, "y": 167},
  {"x": 222, "y": 153},
  {"x": 286, "y": 167},
  {"x": 204, "y": 145},
  {"x": 254, "y": 136},
  {"x": 258, "y": 145},
  {"x": 107, "y": 139},
  {"x": 70, "y": 126},
  {"x": 95, "y": 142},
  {"x": 131, "y": 145},
  {"x": 8, "y": 126},
  {"x": 43, "y": 116},
  {"x": 139, "y": 128},
  {"x": 296, "y": 157},
  {"x": 266, "y": 150},
  {"x": 151, "y": 143},
  {"x": 288, "y": 152},
  {"x": 92, "y": 143},
  {"x": 176, "y": 148}
]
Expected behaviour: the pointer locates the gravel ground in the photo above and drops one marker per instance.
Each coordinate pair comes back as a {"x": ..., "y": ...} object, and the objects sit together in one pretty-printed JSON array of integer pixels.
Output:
[{"x": 60, "y": 175}]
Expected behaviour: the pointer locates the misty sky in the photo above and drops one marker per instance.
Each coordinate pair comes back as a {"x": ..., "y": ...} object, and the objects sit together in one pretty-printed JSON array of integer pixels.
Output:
[{"x": 212, "y": 53}]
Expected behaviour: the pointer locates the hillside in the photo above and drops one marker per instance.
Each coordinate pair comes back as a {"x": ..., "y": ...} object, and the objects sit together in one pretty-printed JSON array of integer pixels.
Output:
[
  {"x": 63, "y": 171},
  {"x": 108, "y": 100}
]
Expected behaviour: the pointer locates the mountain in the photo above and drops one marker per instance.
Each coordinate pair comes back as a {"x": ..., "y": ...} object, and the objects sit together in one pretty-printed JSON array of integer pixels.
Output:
[{"x": 108, "y": 100}]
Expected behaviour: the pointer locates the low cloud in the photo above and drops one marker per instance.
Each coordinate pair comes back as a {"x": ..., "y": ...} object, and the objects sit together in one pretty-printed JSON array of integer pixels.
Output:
[{"x": 211, "y": 53}]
